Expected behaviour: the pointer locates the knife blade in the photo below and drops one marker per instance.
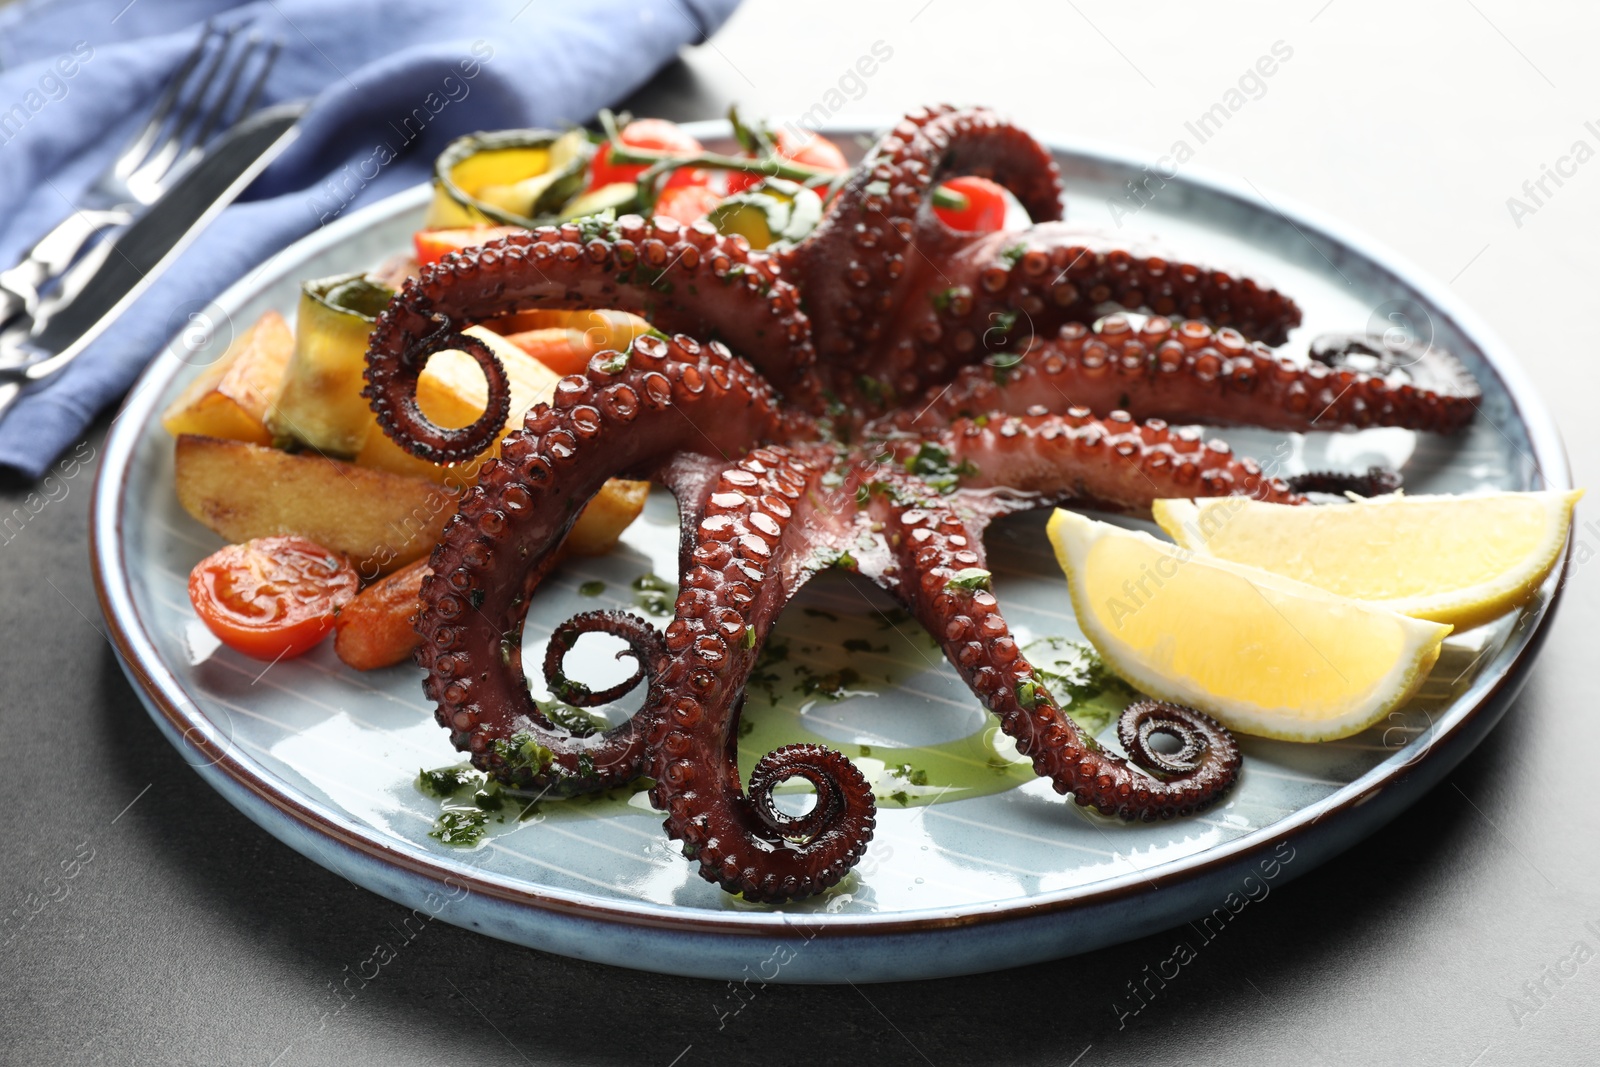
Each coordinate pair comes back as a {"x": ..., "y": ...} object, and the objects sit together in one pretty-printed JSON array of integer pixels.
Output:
[{"x": 141, "y": 252}]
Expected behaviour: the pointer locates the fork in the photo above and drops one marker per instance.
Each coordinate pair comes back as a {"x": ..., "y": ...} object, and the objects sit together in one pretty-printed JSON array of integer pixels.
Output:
[{"x": 152, "y": 161}]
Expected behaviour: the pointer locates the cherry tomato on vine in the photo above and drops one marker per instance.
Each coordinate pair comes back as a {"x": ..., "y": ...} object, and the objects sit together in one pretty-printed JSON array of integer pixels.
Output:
[
  {"x": 986, "y": 205},
  {"x": 272, "y": 597},
  {"x": 652, "y": 135},
  {"x": 805, "y": 148},
  {"x": 687, "y": 203}
]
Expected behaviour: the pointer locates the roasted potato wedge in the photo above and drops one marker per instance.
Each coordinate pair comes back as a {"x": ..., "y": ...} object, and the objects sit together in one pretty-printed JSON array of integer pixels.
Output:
[
  {"x": 611, "y": 511},
  {"x": 231, "y": 397},
  {"x": 379, "y": 519}
]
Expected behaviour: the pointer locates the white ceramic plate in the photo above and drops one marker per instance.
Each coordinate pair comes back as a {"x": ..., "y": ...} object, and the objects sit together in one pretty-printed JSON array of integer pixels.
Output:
[{"x": 325, "y": 757}]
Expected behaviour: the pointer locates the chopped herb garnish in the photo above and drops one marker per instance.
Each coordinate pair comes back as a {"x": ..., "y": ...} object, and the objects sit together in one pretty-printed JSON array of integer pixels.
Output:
[
  {"x": 655, "y": 595},
  {"x": 969, "y": 579},
  {"x": 861, "y": 644},
  {"x": 932, "y": 464},
  {"x": 880, "y": 393},
  {"x": 615, "y": 363},
  {"x": 522, "y": 751},
  {"x": 1011, "y": 255},
  {"x": 818, "y": 613},
  {"x": 591, "y": 588},
  {"x": 1079, "y": 680},
  {"x": 1002, "y": 362},
  {"x": 865, "y": 491},
  {"x": 914, "y": 775},
  {"x": 575, "y": 721},
  {"x": 601, "y": 225},
  {"x": 445, "y": 781},
  {"x": 459, "y": 826},
  {"x": 834, "y": 685}
]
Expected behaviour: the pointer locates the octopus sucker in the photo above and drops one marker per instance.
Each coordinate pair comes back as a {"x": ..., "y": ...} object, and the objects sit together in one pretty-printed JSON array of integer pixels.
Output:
[{"x": 870, "y": 398}]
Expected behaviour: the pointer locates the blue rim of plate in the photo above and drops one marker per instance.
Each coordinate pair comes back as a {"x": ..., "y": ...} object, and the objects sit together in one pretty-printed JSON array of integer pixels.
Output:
[{"x": 1405, "y": 775}]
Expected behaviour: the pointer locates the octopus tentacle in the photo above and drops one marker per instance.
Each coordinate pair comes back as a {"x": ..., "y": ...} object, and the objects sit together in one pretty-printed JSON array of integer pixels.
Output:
[
  {"x": 751, "y": 555},
  {"x": 1188, "y": 371},
  {"x": 861, "y": 261},
  {"x": 1430, "y": 368},
  {"x": 1114, "y": 463},
  {"x": 1004, "y": 292},
  {"x": 645, "y": 646},
  {"x": 667, "y": 396},
  {"x": 932, "y": 544},
  {"x": 688, "y": 279}
]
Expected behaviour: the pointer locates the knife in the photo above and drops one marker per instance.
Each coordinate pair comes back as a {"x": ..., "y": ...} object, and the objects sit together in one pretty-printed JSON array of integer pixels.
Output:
[{"x": 141, "y": 252}]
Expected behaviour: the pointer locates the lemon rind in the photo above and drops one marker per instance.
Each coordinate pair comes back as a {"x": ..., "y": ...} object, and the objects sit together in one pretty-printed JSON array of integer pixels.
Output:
[
  {"x": 1397, "y": 686},
  {"x": 1462, "y": 608}
]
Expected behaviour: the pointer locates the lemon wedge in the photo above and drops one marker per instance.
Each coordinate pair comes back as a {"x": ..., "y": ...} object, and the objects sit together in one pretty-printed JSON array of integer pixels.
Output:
[
  {"x": 1457, "y": 559},
  {"x": 1264, "y": 654}
]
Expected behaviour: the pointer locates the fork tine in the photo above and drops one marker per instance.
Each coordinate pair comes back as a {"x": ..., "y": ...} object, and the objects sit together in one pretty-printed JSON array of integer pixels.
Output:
[
  {"x": 214, "y": 116},
  {"x": 254, "y": 94},
  {"x": 136, "y": 151},
  {"x": 191, "y": 107},
  {"x": 161, "y": 161}
]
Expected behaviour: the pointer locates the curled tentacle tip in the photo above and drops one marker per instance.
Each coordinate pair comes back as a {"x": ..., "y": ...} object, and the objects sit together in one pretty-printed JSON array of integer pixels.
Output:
[
  {"x": 1141, "y": 723},
  {"x": 842, "y": 792},
  {"x": 645, "y": 644},
  {"x": 391, "y": 390},
  {"x": 1374, "y": 481},
  {"x": 1201, "y": 741}
]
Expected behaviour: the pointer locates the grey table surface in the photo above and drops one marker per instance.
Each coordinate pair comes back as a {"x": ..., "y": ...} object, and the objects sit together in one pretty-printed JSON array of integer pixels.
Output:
[{"x": 1464, "y": 933}]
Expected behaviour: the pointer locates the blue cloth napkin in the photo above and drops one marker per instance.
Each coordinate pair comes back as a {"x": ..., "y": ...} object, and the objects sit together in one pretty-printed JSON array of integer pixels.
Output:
[{"x": 78, "y": 78}]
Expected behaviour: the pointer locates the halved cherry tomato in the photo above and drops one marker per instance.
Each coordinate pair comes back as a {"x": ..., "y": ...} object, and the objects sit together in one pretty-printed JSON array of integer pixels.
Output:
[
  {"x": 652, "y": 135},
  {"x": 803, "y": 147},
  {"x": 986, "y": 205},
  {"x": 433, "y": 245},
  {"x": 687, "y": 203},
  {"x": 272, "y": 597}
]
